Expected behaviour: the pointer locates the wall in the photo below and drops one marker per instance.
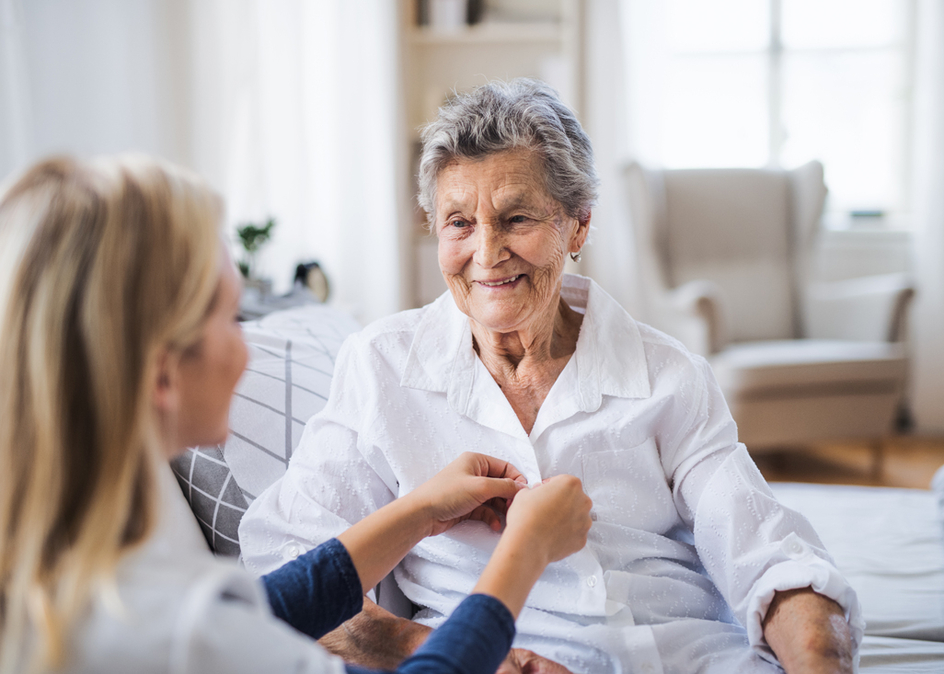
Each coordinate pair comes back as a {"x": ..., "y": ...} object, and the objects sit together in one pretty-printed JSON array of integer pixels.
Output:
[
  {"x": 97, "y": 79},
  {"x": 255, "y": 96},
  {"x": 97, "y": 76}
]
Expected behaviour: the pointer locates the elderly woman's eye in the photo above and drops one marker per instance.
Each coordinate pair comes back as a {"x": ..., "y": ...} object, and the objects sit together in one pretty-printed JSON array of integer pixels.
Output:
[
  {"x": 517, "y": 219},
  {"x": 457, "y": 223}
]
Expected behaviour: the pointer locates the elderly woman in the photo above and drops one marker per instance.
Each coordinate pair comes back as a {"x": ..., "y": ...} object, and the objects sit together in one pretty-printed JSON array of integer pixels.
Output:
[
  {"x": 119, "y": 348},
  {"x": 691, "y": 565}
]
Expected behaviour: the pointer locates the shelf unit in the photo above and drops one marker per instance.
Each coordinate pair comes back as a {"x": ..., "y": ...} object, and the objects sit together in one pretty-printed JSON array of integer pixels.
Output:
[
  {"x": 436, "y": 62},
  {"x": 545, "y": 32}
]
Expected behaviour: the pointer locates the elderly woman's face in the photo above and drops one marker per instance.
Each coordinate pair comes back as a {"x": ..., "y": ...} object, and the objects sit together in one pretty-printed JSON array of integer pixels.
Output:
[{"x": 503, "y": 239}]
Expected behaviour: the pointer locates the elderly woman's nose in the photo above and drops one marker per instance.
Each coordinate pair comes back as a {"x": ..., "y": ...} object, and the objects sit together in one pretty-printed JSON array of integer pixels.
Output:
[{"x": 490, "y": 246}]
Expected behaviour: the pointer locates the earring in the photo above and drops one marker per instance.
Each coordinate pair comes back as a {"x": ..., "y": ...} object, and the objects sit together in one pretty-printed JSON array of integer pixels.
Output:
[{"x": 575, "y": 256}]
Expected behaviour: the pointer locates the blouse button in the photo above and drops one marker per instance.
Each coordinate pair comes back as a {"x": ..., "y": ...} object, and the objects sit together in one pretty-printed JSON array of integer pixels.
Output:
[
  {"x": 592, "y": 581},
  {"x": 794, "y": 547},
  {"x": 593, "y": 516},
  {"x": 292, "y": 552}
]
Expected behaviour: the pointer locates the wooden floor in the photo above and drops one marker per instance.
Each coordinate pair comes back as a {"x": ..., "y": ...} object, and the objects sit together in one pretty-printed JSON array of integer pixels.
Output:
[{"x": 906, "y": 461}]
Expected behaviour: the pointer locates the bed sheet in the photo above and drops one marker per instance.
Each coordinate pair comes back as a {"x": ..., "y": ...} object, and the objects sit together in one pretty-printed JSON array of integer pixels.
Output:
[
  {"x": 889, "y": 543},
  {"x": 890, "y": 655}
]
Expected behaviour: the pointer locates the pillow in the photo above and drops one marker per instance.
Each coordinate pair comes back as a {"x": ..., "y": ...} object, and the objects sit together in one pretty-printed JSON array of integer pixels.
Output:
[
  {"x": 291, "y": 360},
  {"x": 177, "y": 528},
  {"x": 213, "y": 495}
]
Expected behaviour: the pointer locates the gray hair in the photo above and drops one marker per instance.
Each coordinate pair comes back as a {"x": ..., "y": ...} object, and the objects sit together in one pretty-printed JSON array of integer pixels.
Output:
[{"x": 501, "y": 116}]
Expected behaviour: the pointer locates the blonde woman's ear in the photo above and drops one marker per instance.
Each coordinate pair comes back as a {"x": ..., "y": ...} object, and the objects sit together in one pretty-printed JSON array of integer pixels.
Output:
[
  {"x": 165, "y": 398},
  {"x": 165, "y": 393}
]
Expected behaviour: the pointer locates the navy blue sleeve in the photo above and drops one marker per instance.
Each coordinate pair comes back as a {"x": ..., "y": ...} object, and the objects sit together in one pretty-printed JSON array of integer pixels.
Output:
[
  {"x": 474, "y": 640},
  {"x": 316, "y": 592}
]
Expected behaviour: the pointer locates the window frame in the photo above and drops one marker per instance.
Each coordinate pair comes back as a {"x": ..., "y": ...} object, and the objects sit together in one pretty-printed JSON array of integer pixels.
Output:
[{"x": 894, "y": 217}]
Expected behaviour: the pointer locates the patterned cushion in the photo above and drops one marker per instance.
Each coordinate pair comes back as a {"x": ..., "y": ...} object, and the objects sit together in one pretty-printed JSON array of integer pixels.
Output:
[
  {"x": 291, "y": 360},
  {"x": 213, "y": 495}
]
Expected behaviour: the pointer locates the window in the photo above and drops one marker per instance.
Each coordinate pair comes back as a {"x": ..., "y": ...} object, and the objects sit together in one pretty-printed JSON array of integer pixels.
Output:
[{"x": 780, "y": 82}]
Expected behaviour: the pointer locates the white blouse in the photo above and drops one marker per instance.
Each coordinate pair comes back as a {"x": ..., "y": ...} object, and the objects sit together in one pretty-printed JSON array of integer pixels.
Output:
[
  {"x": 176, "y": 609},
  {"x": 688, "y": 544}
]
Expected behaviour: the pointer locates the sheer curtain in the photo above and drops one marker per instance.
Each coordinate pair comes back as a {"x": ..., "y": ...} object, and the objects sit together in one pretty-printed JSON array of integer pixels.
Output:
[
  {"x": 15, "y": 132},
  {"x": 610, "y": 256},
  {"x": 928, "y": 337},
  {"x": 294, "y": 115}
]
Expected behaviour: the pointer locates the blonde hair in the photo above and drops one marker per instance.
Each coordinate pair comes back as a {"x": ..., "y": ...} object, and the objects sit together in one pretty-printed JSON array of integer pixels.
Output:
[{"x": 103, "y": 265}]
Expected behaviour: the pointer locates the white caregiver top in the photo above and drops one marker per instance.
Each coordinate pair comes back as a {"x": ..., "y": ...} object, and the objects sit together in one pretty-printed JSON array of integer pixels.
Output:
[{"x": 688, "y": 544}]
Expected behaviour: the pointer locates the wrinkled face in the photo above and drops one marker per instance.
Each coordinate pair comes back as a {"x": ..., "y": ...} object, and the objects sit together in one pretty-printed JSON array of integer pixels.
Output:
[
  {"x": 503, "y": 239},
  {"x": 208, "y": 372}
]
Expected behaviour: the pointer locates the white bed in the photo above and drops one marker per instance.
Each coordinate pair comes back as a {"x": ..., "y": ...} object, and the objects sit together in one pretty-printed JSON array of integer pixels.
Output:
[{"x": 888, "y": 541}]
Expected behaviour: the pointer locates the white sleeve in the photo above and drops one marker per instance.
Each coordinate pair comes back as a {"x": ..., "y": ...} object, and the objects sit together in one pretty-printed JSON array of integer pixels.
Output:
[
  {"x": 750, "y": 544},
  {"x": 225, "y": 628},
  {"x": 336, "y": 476}
]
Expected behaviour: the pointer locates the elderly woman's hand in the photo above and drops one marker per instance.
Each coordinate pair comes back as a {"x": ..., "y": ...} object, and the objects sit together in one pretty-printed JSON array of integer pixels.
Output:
[
  {"x": 521, "y": 661},
  {"x": 809, "y": 633},
  {"x": 474, "y": 486}
]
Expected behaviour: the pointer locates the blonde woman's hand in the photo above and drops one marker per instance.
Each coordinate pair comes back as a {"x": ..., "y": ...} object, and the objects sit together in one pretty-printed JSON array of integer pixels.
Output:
[
  {"x": 552, "y": 518},
  {"x": 474, "y": 486},
  {"x": 545, "y": 524}
]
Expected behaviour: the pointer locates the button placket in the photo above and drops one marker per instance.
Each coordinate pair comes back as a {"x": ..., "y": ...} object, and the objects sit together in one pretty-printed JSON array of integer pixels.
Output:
[{"x": 529, "y": 463}]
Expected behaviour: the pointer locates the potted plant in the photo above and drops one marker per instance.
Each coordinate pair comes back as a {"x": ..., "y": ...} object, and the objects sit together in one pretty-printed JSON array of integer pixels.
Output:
[{"x": 253, "y": 237}]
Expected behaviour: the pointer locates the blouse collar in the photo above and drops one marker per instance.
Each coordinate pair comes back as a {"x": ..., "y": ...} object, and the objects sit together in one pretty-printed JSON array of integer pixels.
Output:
[{"x": 610, "y": 356}]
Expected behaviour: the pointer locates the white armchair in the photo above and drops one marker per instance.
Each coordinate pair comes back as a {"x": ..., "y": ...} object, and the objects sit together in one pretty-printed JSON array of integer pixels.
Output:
[{"x": 724, "y": 258}]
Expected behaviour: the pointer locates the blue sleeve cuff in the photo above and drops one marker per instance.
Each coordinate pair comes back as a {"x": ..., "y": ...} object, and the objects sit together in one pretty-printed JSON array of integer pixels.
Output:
[
  {"x": 316, "y": 592},
  {"x": 474, "y": 640}
]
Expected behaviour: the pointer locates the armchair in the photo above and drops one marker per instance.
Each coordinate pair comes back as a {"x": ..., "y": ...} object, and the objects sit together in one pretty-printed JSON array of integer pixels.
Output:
[{"x": 724, "y": 261}]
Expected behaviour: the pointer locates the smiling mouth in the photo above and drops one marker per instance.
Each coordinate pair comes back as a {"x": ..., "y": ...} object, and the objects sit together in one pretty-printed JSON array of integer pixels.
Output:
[{"x": 495, "y": 284}]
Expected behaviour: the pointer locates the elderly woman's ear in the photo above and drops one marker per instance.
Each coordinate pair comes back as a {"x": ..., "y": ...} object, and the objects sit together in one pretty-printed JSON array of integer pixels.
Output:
[{"x": 580, "y": 236}]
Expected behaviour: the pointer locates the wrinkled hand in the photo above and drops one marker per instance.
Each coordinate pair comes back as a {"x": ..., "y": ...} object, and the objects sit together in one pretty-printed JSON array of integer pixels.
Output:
[
  {"x": 520, "y": 661},
  {"x": 474, "y": 486},
  {"x": 808, "y": 633}
]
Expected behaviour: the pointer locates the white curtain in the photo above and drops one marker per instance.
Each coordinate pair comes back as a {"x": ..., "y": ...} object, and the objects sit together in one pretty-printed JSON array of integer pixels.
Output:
[
  {"x": 610, "y": 255},
  {"x": 15, "y": 132},
  {"x": 928, "y": 337},
  {"x": 295, "y": 109}
]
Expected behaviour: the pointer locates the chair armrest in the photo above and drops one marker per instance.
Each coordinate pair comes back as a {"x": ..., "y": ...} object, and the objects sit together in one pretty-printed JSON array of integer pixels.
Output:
[
  {"x": 692, "y": 313},
  {"x": 870, "y": 308}
]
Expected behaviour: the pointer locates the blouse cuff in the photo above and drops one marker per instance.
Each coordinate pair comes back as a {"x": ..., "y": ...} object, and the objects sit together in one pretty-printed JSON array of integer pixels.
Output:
[
  {"x": 803, "y": 569},
  {"x": 317, "y": 591}
]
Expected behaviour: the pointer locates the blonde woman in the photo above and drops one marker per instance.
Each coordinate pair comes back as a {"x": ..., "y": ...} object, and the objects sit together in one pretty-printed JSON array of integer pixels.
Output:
[{"x": 119, "y": 347}]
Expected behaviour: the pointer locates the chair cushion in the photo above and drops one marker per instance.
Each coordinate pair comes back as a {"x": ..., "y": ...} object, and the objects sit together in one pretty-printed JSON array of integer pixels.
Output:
[
  {"x": 803, "y": 367},
  {"x": 291, "y": 360}
]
